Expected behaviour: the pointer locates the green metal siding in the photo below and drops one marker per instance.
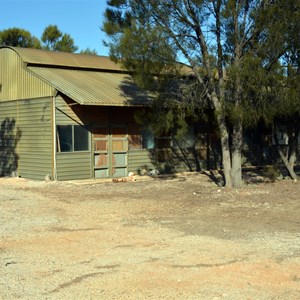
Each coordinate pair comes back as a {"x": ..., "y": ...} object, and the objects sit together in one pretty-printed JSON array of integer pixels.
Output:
[
  {"x": 35, "y": 165},
  {"x": 138, "y": 160},
  {"x": 33, "y": 125},
  {"x": 64, "y": 114},
  {"x": 35, "y": 146},
  {"x": 183, "y": 160},
  {"x": 16, "y": 82},
  {"x": 9, "y": 133},
  {"x": 178, "y": 162},
  {"x": 75, "y": 165}
]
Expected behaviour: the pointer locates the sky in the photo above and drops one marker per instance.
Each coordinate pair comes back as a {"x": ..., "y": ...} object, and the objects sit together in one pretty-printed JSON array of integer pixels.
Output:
[{"x": 81, "y": 19}]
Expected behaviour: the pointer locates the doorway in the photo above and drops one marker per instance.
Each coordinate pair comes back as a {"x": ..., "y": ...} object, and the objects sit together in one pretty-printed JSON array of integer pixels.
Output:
[{"x": 110, "y": 151}]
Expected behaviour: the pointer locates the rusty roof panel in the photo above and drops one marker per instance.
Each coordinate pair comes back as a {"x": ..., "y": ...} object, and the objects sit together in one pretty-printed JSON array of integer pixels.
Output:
[{"x": 93, "y": 87}]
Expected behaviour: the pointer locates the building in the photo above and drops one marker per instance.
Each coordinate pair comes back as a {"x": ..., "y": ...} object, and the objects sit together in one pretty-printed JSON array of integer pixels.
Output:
[{"x": 71, "y": 116}]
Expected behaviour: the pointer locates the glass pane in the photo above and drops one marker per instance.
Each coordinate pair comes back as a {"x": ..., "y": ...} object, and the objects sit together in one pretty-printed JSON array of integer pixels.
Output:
[
  {"x": 119, "y": 145},
  {"x": 101, "y": 173},
  {"x": 187, "y": 141},
  {"x": 64, "y": 136},
  {"x": 119, "y": 159},
  {"x": 119, "y": 132},
  {"x": 100, "y": 132},
  {"x": 101, "y": 145},
  {"x": 120, "y": 172},
  {"x": 190, "y": 138},
  {"x": 147, "y": 139},
  {"x": 101, "y": 160},
  {"x": 81, "y": 138}
]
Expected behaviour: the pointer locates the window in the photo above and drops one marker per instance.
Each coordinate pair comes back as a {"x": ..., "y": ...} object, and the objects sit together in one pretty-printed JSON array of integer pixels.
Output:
[
  {"x": 147, "y": 139},
  {"x": 81, "y": 138},
  {"x": 72, "y": 138},
  {"x": 140, "y": 139},
  {"x": 187, "y": 141}
]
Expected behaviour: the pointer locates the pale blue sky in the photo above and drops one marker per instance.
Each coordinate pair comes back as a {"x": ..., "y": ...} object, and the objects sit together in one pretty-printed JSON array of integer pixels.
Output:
[{"x": 82, "y": 19}]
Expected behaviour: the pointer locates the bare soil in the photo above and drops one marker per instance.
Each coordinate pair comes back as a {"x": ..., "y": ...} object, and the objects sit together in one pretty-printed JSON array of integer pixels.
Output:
[{"x": 165, "y": 238}]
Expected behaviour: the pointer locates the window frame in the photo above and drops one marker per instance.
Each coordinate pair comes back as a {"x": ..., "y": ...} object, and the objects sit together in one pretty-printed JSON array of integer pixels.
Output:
[{"x": 73, "y": 139}]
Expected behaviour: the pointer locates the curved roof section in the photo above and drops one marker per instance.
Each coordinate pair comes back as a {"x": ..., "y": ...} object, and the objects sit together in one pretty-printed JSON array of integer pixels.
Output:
[{"x": 67, "y": 60}]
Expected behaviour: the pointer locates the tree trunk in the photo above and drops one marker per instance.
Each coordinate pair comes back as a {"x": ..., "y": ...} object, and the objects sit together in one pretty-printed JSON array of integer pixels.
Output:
[
  {"x": 292, "y": 160},
  {"x": 237, "y": 143},
  {"x": 289, "y": 167},
  {"x": 289, "y": 158},
  {"x": 293, "y": 140},
  {"x": 226, "y": 159}
]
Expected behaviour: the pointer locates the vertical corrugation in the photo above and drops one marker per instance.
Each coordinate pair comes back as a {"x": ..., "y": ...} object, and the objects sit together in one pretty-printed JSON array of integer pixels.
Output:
[
  {"x": 17, "y": 82},
  {"x": 54, "y": 141}
]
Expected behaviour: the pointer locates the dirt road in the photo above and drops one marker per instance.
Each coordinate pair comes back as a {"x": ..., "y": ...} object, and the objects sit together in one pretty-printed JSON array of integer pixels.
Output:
[{"x": 179, "y": 238}]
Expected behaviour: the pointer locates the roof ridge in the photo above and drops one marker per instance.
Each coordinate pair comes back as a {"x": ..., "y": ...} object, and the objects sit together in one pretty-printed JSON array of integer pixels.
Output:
[{"x": 47, "y": 58}]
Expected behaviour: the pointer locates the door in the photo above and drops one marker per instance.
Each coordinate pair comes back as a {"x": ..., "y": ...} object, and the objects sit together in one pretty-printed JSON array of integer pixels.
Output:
[
  {"x": 110, "y": 146},
  {"x": 119, "y": 150}
]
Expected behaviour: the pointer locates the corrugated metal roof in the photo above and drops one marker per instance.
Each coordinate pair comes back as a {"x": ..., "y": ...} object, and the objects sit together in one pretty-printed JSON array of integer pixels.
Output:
[
  {"x": 64, "y": 59},
  {"x": 92, "y": 87},
  {"x": 87, "y": 79}
]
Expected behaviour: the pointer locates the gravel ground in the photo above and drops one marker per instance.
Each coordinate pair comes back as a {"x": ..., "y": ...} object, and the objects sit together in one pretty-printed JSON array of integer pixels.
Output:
[{"x": 167, "y": 238}]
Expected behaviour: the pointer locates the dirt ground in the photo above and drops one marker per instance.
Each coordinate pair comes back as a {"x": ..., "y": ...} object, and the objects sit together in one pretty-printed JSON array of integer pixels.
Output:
[{"x": 165, "y": 238}]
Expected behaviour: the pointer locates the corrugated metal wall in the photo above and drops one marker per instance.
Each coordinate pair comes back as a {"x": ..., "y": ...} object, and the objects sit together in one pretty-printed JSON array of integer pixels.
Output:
[
  {"x": 16, "y": 82},
  {"x": 178, "y": 162},
  {"x": 26, "y": 137},
  {"x": 69, "y": 112},
  {"x": 9, "y": 137},
  {"x": 65, "y": 114},
  {"x": 139, "y": 160},
  {"x": 75, "y": 165}
]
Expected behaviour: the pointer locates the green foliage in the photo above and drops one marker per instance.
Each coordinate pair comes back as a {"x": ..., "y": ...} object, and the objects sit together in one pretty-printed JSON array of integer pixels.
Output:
[
  {"x": 88, "y": 51},
  {"x": 66, "y": 44},
  {"x": 259, "y": 90},
  {"x": 51, "y": 35},
  {"x": 18, "y": 37},
  {"x": 54, "y": 40}
]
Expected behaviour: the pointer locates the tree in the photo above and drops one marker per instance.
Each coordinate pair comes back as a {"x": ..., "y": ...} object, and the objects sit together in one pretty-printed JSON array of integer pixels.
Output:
[
  {"x": 288, "y": 96},
  {"x": 18, "y": 37},
  {"x": 66, "y": 44},
  {"x": 54, "y": 40},
  {"x": 50, "y": 37},
  {"x": 221, "y": 40},
  {"x": 88, "y": 51}
]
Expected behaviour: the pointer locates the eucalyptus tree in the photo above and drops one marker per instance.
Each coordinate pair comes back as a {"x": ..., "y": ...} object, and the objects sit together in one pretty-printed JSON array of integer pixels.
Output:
[{"x": 232, "y": 47}]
